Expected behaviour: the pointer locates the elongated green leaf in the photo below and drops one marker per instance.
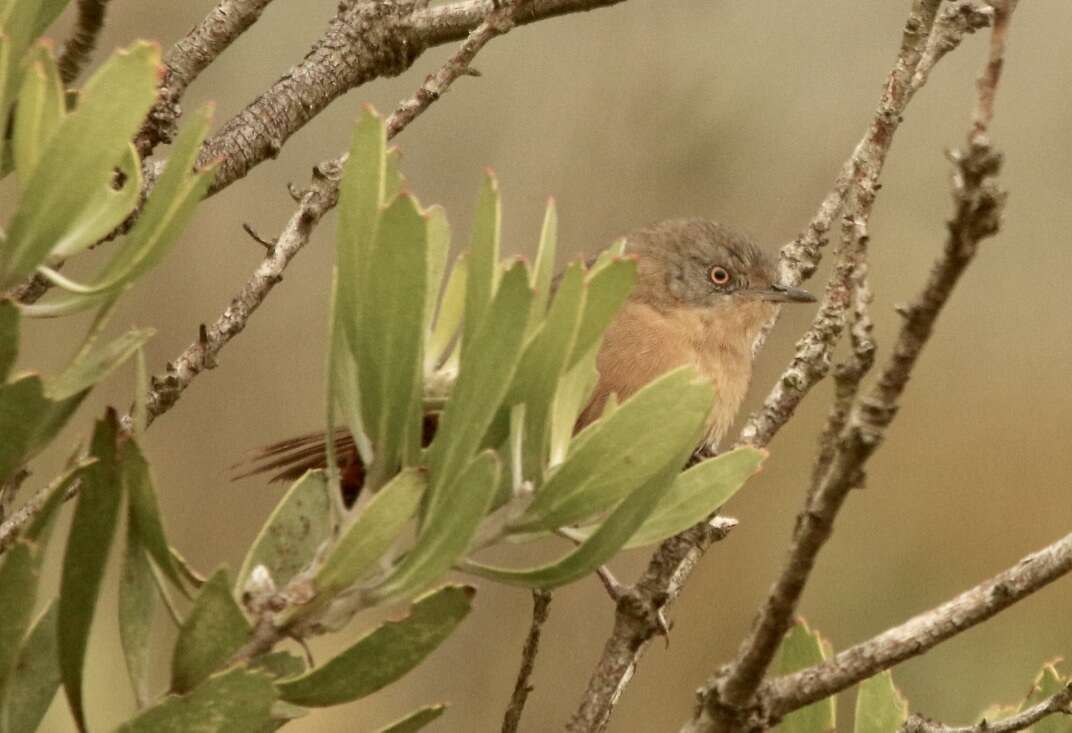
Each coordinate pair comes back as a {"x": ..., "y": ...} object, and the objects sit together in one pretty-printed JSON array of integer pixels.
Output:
[
  {"x": 92, "y": 367},
  {"x": 487, "y": 370},
  {"x": 608, "y": 289},
  {"x": 19, "y": 573},
  {"x": 802, "y": 648},
  {"x": 619, "y": 452},
  {"x": 542, "y": 365},
  {"x": 37, "y": 677},
  {"x": 137, "y": 595},
  {"x": 389, "y": 340},
  {"x": 40, "y": 528},
  {"x": 145, "y": 518},
  {"x": 543, "y": 270},
  {"x": 415, "y": 720},
  {"x": 449, "y": 526},
  {"x": 371, "y": 533},
  {"x": 880, "y": 707},
  {"x": 214, "y": 630},
  {"x": 360, "y": 195},
  {"x": 601, "y": 546},
  {"x": 483, "y": 259},
  {"x": 17, "y": 20},
  {"x": 574, "y": 389},
  {"x": 393, "y": 180},
  {"x": 22, "y": 406},
  {"x": 88, "y": 542},
  {"x": 186, "y": 570},
  {"x": 9, "y": 337},
  {"x": 1048, "y": 683},
  {"x": 438, "y": 250},
  {"x": 288, "y": 541},
  {"x": 163, "y": 219},
  {"x": 40, "y": 111},
  {"x": 449, "y": 318},
  {"x": 698, "y": 492},
  {"x": 385, "y": 654},
  {"x": 53, "y": 213},
  {"x": 236, "y": 700}
]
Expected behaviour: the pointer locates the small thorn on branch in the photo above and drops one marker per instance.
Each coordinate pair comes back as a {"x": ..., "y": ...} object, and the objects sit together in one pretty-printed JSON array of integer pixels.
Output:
[{"x": 266, "y": 243}]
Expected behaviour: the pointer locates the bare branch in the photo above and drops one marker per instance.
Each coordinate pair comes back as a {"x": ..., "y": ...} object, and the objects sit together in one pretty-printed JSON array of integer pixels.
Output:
[
  {"x": 78, "y": 48},
  {"x": 191, "y": 55},
  {"x": 541, "y": 600},
  {"x": 1059, "y": 703},
  {"x": 856, "y": 186},
  {"x": 727, "y": 701},
  {"x": 920, "y": 633}
]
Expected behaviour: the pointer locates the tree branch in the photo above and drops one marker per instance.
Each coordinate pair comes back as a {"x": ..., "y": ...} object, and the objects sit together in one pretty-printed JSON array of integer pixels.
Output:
[
  {"x": 670, "y": 567},
  {"x": 78, "y": 48},
  {"x": 541, "y": 600},
  {"x": 185, "y": 61},
  {"x": 1059, "y": 703},
  {"x": 727, "y": 701},
  {"x": 919, "y": 634}
]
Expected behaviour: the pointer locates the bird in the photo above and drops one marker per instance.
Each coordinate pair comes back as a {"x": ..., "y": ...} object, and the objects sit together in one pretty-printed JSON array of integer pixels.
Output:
[{"x": 704, "y": 293}]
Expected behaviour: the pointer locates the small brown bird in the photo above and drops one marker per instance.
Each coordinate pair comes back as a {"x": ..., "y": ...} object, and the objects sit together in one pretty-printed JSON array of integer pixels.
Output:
[{"x": 703, "y": 295}]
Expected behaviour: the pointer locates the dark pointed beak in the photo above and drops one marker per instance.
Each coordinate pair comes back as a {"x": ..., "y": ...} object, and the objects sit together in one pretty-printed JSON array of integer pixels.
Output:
[{"x": 779, "y": 293}]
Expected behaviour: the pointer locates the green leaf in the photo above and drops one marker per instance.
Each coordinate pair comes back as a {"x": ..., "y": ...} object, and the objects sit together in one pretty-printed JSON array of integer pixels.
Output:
[
  {"x": 36, "y": 679},
  {"x": 542, "y": 365},
  {"x": 17, "y": 22},
  {"x": 608, "y": 289},
  {"x": 28, "y": 421},
  {"x": 604, "y": 543},
  {"x": 543, "y": 270},
  {"x": 1047, "y": 684},
  {"x": 19, "y": 573},
  {"x": 415, "y": 720},
  {"x": 483, "y": 267},
  {"x": 574, "y": 390},
  {"x": 371, "y": 533},
  {"x": 450, "y": 522},
  {"x": 281, "y": 665},
  {"x": 388, "y": 346},
  {"x": 137, "y": 596},
  {"x": 40, "y": 111},
  {"x": 802, "y": 648},
  {"x": 145, "y": 512},
  {"x": 449, "y": 318},
  {"x": 880, "y": 707},
  {"x": 619, "y": 452},
  {"x": 487, "y": 369},
  {"x": 236, "y": 700},
  {"x": 213, "y": 631},
  {"x": 385, "y": 654},
  {"x": 437, "y": 252},
  {"x": 698, "y": 492},
  {"x": 393, "y": 180},
  {"x": 55, "y": 213},
  {"x": 7, "y": 160},
  {"x": 298, "y": 526},
  {"x": 163, "y": 219},
  {"x": 88, "y": 542},
  {"x": 360, "y": 195},
  {"x": 95, "y": 365},
  {"x": 9, "y": 338}
]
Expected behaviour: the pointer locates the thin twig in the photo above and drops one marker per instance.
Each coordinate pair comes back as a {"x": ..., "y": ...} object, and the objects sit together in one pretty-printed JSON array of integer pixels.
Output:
[
  {"x": 78, "y": 48},
  {"x": 1060, "y": 703},
  {"x": 672, "y": 564},
  {"x": 541, "y": 600},
  {"x": 727, "y": 702},
  {"x": 919, "y": 634}
]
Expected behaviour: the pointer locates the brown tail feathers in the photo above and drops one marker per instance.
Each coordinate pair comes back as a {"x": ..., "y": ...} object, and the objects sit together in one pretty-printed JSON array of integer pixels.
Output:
[{"x": 289, "y": 459}]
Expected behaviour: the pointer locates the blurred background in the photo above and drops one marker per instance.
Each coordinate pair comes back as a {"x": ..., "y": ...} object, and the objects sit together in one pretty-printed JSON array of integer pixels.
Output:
[{"x": 738, "y": 111}]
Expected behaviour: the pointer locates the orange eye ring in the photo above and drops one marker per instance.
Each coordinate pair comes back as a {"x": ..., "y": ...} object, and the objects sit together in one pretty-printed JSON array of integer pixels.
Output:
[{"x": 718, "y": 275}]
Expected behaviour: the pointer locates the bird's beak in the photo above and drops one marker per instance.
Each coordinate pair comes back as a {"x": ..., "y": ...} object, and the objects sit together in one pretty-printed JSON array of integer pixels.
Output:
[{"x": 779, "y": 293}]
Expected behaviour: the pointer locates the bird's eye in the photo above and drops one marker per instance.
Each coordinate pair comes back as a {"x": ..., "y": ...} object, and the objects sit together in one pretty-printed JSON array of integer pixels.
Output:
[{"x": 719, "y": 275}]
